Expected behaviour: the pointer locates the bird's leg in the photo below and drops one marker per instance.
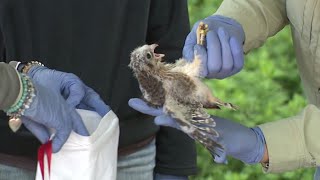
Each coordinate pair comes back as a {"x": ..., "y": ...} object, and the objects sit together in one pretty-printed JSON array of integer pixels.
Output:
[{"x": 202, "y": 32}]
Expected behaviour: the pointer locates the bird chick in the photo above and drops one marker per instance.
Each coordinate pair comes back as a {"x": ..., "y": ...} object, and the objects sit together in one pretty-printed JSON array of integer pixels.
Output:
[
  {"x": 179, "y": 89},
  {"x": 144, "y": 62}
]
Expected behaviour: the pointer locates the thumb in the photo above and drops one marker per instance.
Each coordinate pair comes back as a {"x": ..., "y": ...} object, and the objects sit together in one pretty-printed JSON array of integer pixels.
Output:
[
  {"x": 141, "y": 106},
  {"x": 190, "y": 42},
  {"x": 165, "y": 120},
  {"x": 60, "y": 138}
]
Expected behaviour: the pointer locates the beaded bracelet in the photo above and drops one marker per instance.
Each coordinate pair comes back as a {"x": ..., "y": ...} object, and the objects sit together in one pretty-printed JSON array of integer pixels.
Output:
[
  {"x": 30, "y": 64},
  {"x": 24, "y": 67},
  {"x": 17, "y": 110}
]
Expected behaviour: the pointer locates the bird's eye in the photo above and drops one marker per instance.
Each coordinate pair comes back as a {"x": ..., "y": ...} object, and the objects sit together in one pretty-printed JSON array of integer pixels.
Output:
[{"x": 149, "y": 55}]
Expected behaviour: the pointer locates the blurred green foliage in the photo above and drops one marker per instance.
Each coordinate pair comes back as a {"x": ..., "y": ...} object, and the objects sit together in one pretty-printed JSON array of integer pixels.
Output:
[{"x": 267, "y": 89}]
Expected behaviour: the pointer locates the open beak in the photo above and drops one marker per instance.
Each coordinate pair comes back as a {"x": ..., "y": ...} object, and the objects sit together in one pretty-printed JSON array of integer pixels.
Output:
[{"x": 156, "y": 55}]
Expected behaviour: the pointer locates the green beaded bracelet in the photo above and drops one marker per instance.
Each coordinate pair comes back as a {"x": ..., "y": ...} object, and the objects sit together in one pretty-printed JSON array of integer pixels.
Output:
[{"x": 26, "y": 98}]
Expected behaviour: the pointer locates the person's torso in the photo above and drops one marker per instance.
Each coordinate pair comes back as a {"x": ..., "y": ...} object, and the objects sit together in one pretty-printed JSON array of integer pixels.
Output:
[{"x": 93, "y": 39}]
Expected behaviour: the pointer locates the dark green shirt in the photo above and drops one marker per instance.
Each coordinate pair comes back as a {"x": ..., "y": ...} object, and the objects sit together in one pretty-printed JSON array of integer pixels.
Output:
[{"x": 93, "y": 39}]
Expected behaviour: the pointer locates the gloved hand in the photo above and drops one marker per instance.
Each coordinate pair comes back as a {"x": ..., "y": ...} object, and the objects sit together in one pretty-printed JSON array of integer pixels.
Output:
[
  {"x": 223, "y": 53},
  {"x": 76, "y": 93},
  {"x": 49, "y": 110},
  {"x": 240, "y": 142}
]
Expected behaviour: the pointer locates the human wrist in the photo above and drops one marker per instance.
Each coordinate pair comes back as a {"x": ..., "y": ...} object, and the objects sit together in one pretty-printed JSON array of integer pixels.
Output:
[
  {"x": 25, "y": 67},
  {"x": 258, "y": 150},
  {"x": 24, "y": 99},
  {"x": 10, "y": 86},
  {"x": 18, "y": 97},
  {"x": 265, "y": 160}
]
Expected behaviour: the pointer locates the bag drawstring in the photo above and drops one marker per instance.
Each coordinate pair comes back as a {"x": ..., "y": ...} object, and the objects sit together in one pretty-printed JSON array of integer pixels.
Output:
[{"x": 45, "y": 149}]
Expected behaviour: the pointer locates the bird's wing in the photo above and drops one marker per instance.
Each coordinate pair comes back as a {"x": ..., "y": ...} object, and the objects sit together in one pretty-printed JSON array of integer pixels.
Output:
[
  {"x": 152, "y": 90},
  {"x": 145, "y": 94},
  {"x": 194, "y": 121}
]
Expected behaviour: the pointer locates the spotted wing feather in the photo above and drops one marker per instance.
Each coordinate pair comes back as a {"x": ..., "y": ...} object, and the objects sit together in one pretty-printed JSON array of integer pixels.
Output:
[{"x": 194, "y": 121}]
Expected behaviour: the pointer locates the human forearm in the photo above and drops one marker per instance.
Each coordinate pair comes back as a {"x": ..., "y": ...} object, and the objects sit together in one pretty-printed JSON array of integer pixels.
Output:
[
  {"x": 9, "y": 86},
  {"x": 292, "y": 142},
  {"x": 265, "y": 158}
]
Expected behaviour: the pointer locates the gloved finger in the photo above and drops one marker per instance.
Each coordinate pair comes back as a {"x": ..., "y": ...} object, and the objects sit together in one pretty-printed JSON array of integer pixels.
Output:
[
  {"x": 84, "y": 106},
  {"x": 38, "y": 130},
  {"x": 165, "y": 120},
  {"x": 78, "y": 125},
  {"x": 227, "y": 59},
  {"x": 60, "y": 138},
  {"x": 214, "y": 54},
  {"x": 237, "y": 54},
  {"x": 100, "y": 107},
  {"x": 221, "y": 156},
  {"x": 93, "y": 100},
  {"x": 76, "y": 93},
  {"x": 141, "y": 106},
  {"x": 201, "y": 53},
  {"x": 189, "y": 44}
]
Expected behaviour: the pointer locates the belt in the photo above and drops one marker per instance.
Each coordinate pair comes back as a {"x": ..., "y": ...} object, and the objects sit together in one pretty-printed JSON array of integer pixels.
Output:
[{"x": 135, "y": 147}]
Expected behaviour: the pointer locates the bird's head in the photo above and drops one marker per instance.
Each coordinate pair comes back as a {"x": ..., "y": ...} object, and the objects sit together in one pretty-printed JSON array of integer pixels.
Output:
[{"x": 144, "y": 57}]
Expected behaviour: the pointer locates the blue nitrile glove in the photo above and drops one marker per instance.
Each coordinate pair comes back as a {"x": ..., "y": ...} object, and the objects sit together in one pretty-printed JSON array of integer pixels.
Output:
[
  {"x": 76, "y": 93},
  {"x": 49, "y": 110},
  {"x": 240, "y": 142},
  {"x": 223, "y": 52}
]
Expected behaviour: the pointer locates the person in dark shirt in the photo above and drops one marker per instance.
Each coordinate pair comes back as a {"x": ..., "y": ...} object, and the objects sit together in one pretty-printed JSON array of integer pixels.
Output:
[{"x": 93, "y": 39}]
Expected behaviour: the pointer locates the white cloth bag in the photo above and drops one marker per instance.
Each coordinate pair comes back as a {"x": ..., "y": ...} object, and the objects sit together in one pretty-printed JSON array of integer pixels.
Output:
[{"x": 91, "y": 157}]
